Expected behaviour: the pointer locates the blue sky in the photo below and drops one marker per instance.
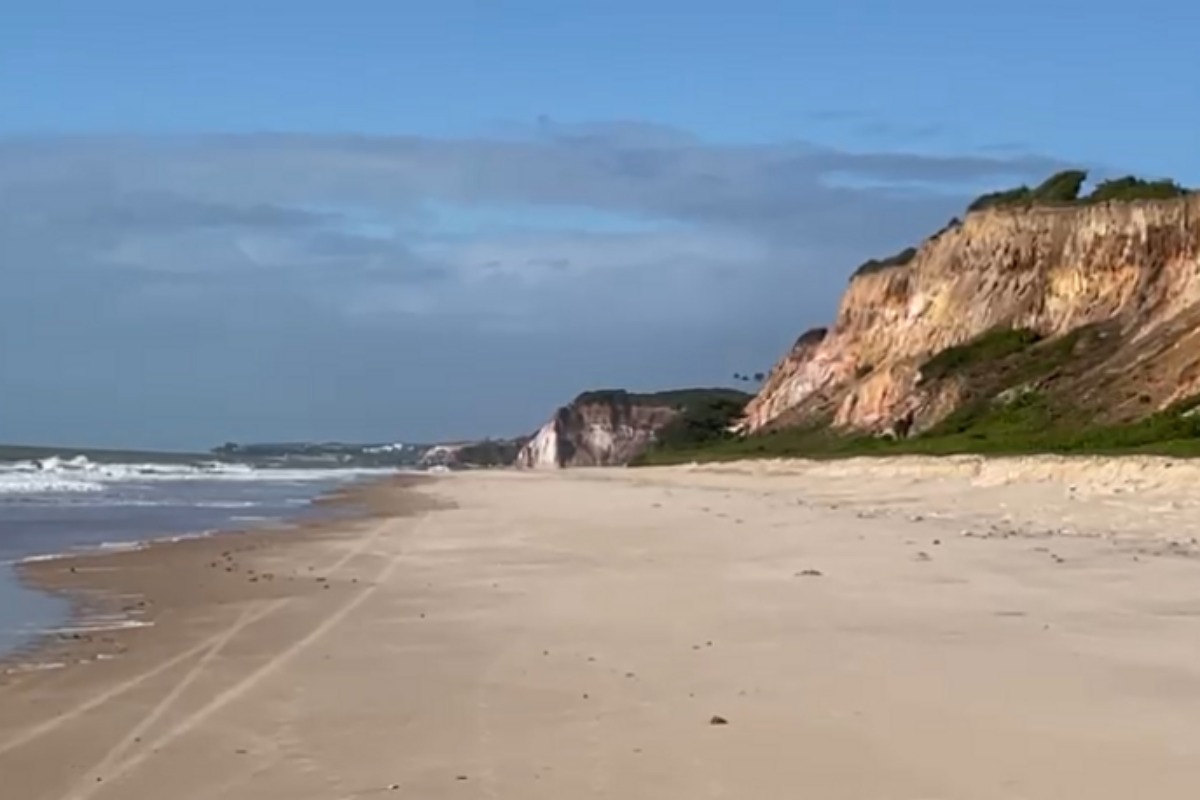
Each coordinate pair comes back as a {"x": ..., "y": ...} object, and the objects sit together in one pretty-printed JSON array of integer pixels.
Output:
[{"x": 369, "y": 220}]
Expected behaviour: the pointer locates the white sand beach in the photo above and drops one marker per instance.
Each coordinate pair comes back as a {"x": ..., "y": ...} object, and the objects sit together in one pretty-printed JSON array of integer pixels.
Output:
[{"x": 893, "y": 629}]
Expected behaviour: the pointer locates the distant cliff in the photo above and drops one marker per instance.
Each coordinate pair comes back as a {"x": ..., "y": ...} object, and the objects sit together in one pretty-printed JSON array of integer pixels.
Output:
[
  {"x": 472, "y": 454},
  {"x": 1115, "y": 284},
  {"x": 613, "y": 427}
]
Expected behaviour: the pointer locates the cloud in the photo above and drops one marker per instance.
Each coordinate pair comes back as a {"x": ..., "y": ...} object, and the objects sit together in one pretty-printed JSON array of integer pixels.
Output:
[{"x": 624, "y": 240}]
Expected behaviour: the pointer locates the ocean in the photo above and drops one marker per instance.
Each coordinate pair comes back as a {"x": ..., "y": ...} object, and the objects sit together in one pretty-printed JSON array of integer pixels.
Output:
[{"x": 62, "y": 505}]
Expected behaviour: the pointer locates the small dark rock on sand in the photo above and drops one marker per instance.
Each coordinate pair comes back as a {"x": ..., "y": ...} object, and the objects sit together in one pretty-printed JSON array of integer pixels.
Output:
[
  {"x": 809, "y": 573},
  {"x": 717, "y": 720}
]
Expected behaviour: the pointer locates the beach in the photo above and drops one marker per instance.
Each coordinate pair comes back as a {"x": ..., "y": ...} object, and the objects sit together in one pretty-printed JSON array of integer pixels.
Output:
[{"x": 889, "y": 628}]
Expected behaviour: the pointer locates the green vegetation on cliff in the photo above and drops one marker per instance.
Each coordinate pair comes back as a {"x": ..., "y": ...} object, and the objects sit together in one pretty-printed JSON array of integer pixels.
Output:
[
  {"x": 673, "y": 398},
  {"x": 1062, "y": 189},
  {"x": 1016, "y": 396},
  {"x": 989, "y": 347},
  {"x": 1058, "y": 189},
  {"x": 1030, "y": 423},
  {"x": 490, "y": 452},
  {"x": 1131, "y": 188},
  {"x": 703, "y": 422},
  {"x": 876, "y": 264}
]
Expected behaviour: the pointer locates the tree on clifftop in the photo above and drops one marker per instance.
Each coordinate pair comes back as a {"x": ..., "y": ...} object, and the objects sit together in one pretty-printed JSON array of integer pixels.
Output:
[
  {"x": 1132, "y": 188},
  {"x": 1061, "y": 188}
]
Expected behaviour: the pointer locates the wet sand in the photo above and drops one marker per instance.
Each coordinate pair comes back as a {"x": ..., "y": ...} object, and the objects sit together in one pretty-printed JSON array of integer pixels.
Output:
[{"x": 891, "y": 629}]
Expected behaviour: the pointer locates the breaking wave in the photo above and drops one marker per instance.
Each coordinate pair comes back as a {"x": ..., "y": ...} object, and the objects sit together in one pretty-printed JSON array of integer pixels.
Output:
[{"x": 79, "y": 475}]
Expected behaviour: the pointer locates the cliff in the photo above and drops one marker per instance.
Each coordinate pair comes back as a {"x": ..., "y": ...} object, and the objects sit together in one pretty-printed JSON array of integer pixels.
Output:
[
  {"x": 1126, "y": 273},
  {"x": 612, "y": 427}
]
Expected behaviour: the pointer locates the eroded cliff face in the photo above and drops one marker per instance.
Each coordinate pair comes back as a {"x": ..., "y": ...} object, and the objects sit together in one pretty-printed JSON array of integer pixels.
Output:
[
  {"x": 1135, "y": 266},
  {"x": 596, "y": 431}
]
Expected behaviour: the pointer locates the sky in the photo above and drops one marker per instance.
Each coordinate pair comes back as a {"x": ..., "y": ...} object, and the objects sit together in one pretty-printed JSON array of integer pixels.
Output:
[{"x": 418, "y": 221}]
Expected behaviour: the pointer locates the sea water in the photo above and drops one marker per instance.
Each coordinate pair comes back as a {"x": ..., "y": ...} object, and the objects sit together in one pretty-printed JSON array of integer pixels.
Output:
[{"x": 68, "y": 505}]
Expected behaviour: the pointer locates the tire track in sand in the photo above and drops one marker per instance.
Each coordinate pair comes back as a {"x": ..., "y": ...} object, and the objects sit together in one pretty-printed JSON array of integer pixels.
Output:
[
  {"x": 244, "y": 620},
  {"x": 91, "y": 704},
  {"x": 241, "y": 687}
]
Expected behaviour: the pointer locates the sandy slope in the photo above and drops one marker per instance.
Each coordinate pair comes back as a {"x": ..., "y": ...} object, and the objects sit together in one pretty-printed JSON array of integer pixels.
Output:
[{"x": 976, "y": 630}]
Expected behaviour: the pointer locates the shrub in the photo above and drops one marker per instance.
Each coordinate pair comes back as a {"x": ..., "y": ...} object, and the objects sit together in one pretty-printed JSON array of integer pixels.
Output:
[
  {"x": 1062, "y": 187},
  {"x": 876, "y": 264},
  {"x": 1021, "y": 196},
  {"x": 990, "y": 346},
  {"x": 702, "y": 422},
  {"x": 491, "y": 452},
  {"x": 678, "y": 398},
  {"x": 1131, "y": 188}
]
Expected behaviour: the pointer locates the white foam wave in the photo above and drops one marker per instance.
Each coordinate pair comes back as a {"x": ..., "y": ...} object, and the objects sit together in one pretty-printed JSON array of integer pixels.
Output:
[
  {"x": 139, "y": 503},
  {"x": 38, "y": 666},
  {"x": 182, "y": 537},
  {"x": 57, "y": 475},
  {"x": 43, "y": 557},
  {"x": 103, "y": 547},
  {"x": 99, "y": 625},
  {"x": 34, "y": 484},
  {"x": 115, "y": 546}
]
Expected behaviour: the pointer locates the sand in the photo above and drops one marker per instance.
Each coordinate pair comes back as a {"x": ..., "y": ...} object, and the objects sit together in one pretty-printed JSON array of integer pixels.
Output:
[{"x": 1025, "y": 628}]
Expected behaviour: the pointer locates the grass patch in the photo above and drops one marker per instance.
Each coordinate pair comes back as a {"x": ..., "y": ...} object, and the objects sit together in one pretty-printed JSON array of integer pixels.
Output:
[
  {"x": 1030, "y": 424},
  {"x": 988, "y": 347},
  {"x": 1017, "y": 399}
]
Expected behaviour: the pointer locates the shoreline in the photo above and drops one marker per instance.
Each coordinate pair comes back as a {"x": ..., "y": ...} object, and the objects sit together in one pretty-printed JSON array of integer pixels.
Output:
[{"x": 65, "y": 576}]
